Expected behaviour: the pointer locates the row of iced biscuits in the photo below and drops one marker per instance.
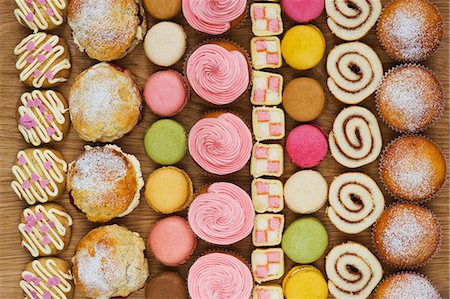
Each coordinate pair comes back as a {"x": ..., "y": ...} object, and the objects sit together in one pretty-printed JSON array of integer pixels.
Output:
[
  {"x": 268, "y": 123},
  {"x": 43, "y": 61}
]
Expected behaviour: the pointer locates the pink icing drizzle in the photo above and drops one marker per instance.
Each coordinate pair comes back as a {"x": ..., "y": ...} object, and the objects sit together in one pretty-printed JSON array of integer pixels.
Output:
[
  {"x": 220, "y": 145},
  {"x": 213, "y": 16},
  {"x": 217, "y": 75},
  {"x": 223, "y": 216},
  {"x": 219, "y": 276}
]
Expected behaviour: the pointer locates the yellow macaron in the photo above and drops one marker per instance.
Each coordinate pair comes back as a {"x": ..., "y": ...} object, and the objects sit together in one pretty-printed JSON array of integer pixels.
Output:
[
  {"x": 305, "y": 282},
  {"x": 303, "y": 46},
  {"x": 168, "y": 190}
]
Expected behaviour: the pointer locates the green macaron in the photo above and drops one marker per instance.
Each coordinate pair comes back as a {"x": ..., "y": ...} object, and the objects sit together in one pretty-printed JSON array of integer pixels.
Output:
[
  {"x": 166, "y": 142},
  {"x": 305, "y": 240}
]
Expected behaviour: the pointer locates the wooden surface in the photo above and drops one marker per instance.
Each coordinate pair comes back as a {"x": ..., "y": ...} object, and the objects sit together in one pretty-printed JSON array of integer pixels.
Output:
[{"x": 13, "y": 257}]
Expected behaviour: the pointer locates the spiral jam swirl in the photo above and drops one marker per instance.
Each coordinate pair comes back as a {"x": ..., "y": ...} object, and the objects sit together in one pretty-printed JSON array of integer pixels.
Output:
[
  {"x": 351, "y": 20},
  {"x": 353, "y": 271},
  {"x": 354, "y": 71},
  {"x": 219, "y": 276},
  {"x": 213, "y": 16},
  {"x": 356, "y": 202},
  {"x": 218, "y": 75},
  {"x": 223, "y": 215},
  {"x": 356, "y": 137},
  {"x": 220, "y": 145}
]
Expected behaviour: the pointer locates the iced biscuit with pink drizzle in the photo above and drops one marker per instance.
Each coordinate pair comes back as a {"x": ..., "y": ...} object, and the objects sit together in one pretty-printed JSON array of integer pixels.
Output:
[
  {"x": 39, "y": 175},
  {"x": 47, "y": 278},
  {"x": 219, "y": 275},
  {"x": 43, "y": 60},
  {"x": 40, "y": 15},
  {"x": 45, "y": 229},
  {"x": 267, "y": 88},
  {"x": 267, "y": 160},
  {"x": 213, "y": 17},
  {"x": 266, "y": 19},
  {"x": 222, "y": 214},
  {"x": 266, "y": 52},
  {"x": 268, "y": 123},
  {"x": 267, "y": 195},
  {"x": 267, "y": 264},
  {"x": 42, "y": 116},
  {"x": 268, "y": 229},
  {"x": 268, "y": 291},
  {"x": 218, "y": 72},
  {"x": 220, "y": 143}
]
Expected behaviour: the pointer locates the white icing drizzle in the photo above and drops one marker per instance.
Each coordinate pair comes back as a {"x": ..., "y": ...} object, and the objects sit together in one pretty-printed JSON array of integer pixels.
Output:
[
  {"x": 54, "y": 106},
  {"x": 32, "y": 240},
  {"x": 44, "y": 272},
  {"x": 40, "y": 40},
  {"x": 39, "y": 13},
  {"x": 22, "y": 173}
]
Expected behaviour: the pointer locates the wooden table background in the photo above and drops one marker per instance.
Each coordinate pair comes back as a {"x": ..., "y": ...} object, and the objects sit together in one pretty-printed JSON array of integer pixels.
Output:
[{"x": 13, "y": 257}]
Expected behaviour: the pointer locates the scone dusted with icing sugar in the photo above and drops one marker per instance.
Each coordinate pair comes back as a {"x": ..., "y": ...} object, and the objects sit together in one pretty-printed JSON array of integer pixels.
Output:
[
  {"x": 110, "y": 262},
  {"x": 107, "y": 29},
  {"x": 104, "y": 183}
]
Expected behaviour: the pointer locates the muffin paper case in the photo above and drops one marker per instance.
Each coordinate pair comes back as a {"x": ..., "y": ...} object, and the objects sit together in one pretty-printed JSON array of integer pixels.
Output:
[
  {"x": 380, "y": 168},
  {"x": 421, "y": 275},
  {"x": 216, "y": 279},
  {"x": 224, "y": 216},
  {"x": 386, "y": 74},
  {"x": 215, "y": 135},
  {"x": 406, "y": 268},
  {"x": 377, "y": 31},
  {"x": 237, "y": 23},
  {"x": 225, "y": 100}
]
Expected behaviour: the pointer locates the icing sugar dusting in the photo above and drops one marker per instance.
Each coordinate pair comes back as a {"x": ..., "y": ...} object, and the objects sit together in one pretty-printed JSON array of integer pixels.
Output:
[
  {"x": 98, "y": 271},
  {"x": 98, "y": 170},
  {"x": 409, "y": 285},
  {"x": 412, "y": 28},
  {"x": 413, "y": 95},
  {"x": 410, "y": 169},
  {"x": 408, "y": 235}
]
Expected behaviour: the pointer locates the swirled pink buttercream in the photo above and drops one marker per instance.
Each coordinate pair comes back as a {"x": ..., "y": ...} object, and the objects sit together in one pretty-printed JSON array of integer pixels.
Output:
[
  {"x": 220, "y": 145},
  {"x": 213, "y": 16},
  {"x": 217, "y": 75},
  {"x": 219, "y": 276},
  {"x": 223, "y": 215}
]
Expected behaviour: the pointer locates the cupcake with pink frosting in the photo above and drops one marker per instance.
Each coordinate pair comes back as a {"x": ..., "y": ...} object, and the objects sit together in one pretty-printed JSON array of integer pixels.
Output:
[
  {"x": 220, "y": 143},
  {"x": 220, "y": 275},
  {"x": 214, "y": 16},
  {"x": 218, "y": 72},
  {"x": 222, "y": 214}
]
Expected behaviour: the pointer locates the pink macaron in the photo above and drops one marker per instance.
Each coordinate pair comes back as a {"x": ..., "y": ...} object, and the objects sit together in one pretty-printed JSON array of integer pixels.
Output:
[
  {"x": 303, "y": 11},
  {"x": 171, "y": 241},
  {"x": 166, "y": 93},
  {"x": 307, "y": 145}
]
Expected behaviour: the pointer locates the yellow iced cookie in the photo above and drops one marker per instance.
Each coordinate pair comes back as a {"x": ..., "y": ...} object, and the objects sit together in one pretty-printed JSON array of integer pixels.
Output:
[
  {"x": 303, "y": 46},
  {"x": 305, "y": 282}
]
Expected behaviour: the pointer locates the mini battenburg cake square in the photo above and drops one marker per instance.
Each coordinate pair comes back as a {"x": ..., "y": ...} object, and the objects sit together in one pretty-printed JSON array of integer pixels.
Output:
[
  {"x": 268, "y": 123},
  {"x": 267, "y": 264},
  {"x": 268, "y": 291},
  {"x": 266, "y": 52},
  {"x": 268, "y": 229},
  {"x": 267, "y": 195},
  {"x": 267, "y": 160},
  {"x": 266, "y": 19},
  {"x": 267, "y": 88}
]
